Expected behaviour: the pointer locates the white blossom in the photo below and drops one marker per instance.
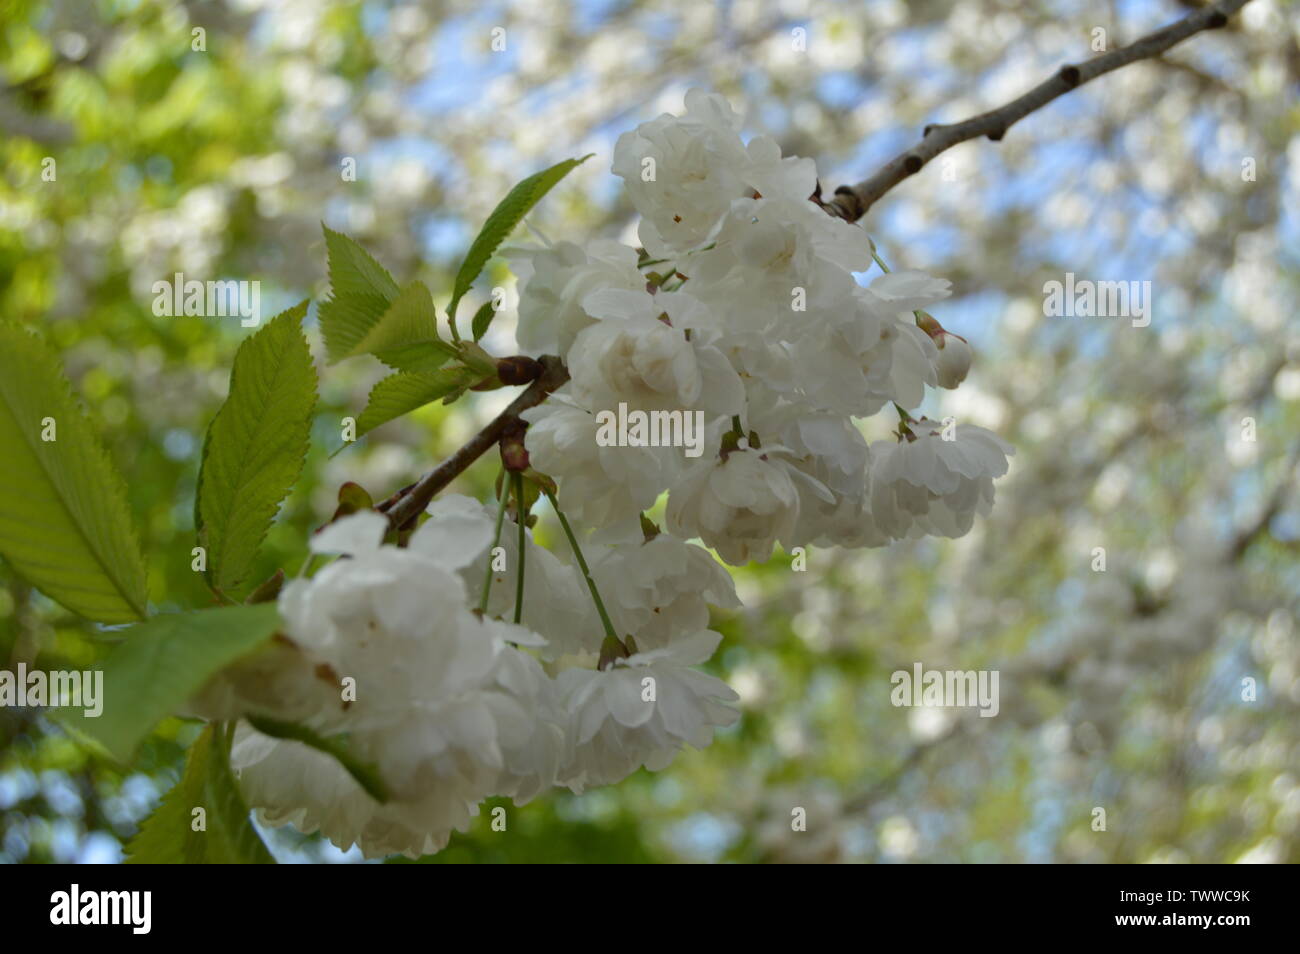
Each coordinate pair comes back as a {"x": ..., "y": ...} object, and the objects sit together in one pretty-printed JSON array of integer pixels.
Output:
[
  {"x": 927, "y": 484},
  {"x": 681, "y": 173},
  {"x": 428, "y": 703},
  {"x": 553, "y": 282},
  {"x": 658, "y": 589},
  {"x": 606, "y": 487},
  {"x": 634, "y": 357},
  {"x": 642, "y": 710},
  {"x": 739, "y": 505}
]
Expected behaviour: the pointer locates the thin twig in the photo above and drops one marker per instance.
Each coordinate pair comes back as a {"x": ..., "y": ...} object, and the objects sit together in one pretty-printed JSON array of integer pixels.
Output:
[
  {"x": 852, "y": 202},
  {"x": 413, "y": 502},
  {"x": 1276, "y": 500},
  {"x": 910, "y": 760}
]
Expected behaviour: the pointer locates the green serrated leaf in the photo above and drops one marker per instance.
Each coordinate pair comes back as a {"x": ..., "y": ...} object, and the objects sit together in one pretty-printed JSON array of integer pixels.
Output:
[
  {"x": 354, "y": 271},
  {"x": 256, "y": 445},
  {"x": 198, "y": 489},
  {"x": 482, "y": 320},
  {"x": 64, "y": 521},
  {"x": 167, "y": 836},
  {"x": 345, "y": 321},
  {"x": 403, "y": 392},
  {"x": 360, "y": 292},
  {"x": 226, "y": 835},
  {"x": 237, "y": 842},
  {"x": 509, "y": 213},
  {"x": 161, "y": 664},
  {"x": 406, "y": 335},
  {"x": 410, "y": 319},
  {"x": 363, "y": 773},
  {"x": 419, "y": 358}
]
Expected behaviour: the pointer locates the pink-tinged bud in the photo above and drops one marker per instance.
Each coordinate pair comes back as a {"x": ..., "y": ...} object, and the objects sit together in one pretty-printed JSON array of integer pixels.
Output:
[
  {"x": 514, "y": 455},
  {"x": 954, "y": 359}
]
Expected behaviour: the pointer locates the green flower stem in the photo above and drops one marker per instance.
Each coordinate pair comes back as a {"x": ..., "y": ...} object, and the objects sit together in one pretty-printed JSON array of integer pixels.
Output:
[
  {"x": 496, "y": 541},
  {"x": 307, "y": 564},
  {"x": 521, "y": 512},
  {"x": 586, "y": 573}
]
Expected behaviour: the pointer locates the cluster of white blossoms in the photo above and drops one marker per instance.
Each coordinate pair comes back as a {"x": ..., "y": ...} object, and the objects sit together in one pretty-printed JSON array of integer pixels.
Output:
[
  {"x": 452, "y": 706},
  {"x": 744, "y": 312}
]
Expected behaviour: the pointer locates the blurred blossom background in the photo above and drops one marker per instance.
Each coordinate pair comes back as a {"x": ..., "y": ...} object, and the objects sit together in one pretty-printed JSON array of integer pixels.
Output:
[{"x": 1120, "y": 690}]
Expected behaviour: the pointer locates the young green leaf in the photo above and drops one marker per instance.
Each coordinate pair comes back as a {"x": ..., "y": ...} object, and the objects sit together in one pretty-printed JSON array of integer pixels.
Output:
[
  {"x": 475, "y": 358},
  {"x": 64, "y": 521},
  {"x": 406, "y": 336},
  {"x": 336, "y": 747},
  {"x": 482, "y": 319},
  {"x": 402, "y": 393},
  {"x": 360, "y": 292},
  {"x": 354, "y": 271},
  {"x": 255, "y": 446},
  {"x": 161, "y": 664},
  {"x": 353, "y": 498},
  {"x": 173, "y": 833},
  {"x": 518, "y": 203}
]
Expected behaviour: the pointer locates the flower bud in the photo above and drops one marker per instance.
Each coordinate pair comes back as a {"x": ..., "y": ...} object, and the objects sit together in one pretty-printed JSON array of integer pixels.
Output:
[
  {"x": 514, "y": 455},
  {"x": 518, "y": 369},
  {"x": 954, "y": 359}
]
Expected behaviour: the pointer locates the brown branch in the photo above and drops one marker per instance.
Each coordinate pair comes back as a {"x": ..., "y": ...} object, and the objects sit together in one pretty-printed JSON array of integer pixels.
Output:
[
  {"x": 411, "y": 501},
  {"x": 883, "y": 786},
  {"x": 1277, "y": 499},
  {"x": 852, "y": 202}
]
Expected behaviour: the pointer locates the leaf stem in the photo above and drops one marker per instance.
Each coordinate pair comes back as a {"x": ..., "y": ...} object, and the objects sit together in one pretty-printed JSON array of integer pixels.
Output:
[{"x": 220, "y": 594}]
